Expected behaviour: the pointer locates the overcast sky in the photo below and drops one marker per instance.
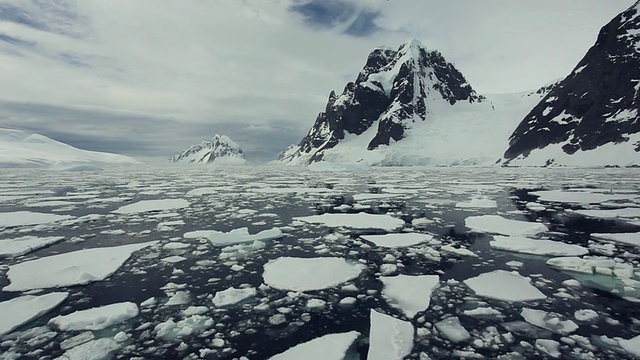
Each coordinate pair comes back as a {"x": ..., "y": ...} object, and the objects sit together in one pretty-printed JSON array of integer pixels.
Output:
[{"x": 149, "y": 77}]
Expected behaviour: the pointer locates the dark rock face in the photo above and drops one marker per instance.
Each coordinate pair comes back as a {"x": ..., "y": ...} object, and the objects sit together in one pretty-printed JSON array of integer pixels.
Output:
[
  {"x": 220, "y": 146},
  {"x": 598, "y": 103},
  {"x": 393, "y": 90}
]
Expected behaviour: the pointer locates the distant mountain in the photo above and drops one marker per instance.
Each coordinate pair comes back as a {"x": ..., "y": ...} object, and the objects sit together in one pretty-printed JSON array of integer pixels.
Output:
[
  {"x": 220, "y": 150},
  {"x": 410, "y": 106},
  {"x": 592, "y": 116},
  {"x": 25, "y": 149}
]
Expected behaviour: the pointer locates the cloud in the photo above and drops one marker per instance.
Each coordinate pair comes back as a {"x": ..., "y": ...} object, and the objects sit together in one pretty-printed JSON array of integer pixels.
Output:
[
  {"x": 154, "y": 76},
  {"x": 349, "y": 17}
]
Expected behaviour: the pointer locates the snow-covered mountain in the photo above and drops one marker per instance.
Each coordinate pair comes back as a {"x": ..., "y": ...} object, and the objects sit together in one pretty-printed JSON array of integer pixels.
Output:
[
  {"x": 591, "y": 117},
  {"x": 409, "y": 106},
  {"x": 220, "y": 150},
  {"x": 25, "y": 149}
]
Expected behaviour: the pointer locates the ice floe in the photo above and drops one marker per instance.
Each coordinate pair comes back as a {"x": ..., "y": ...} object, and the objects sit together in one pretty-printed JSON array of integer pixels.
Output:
[
  {"x": 549, "y": 321},
  {"x": 411, "y": 294},
  {"x": 624, "y": 238},
  {"x": 22, "y": 218},
  {"x": 496, "y": 224},
  {"x": 504, "y": 285},
  {"x": 327, "y": 347},
  {"x": 304, "y": 274},
  {"x": 73, "y": 268},
  {"x": 97, "y": 318},
  {"x": 398, "y": 240},
  {"x": 26, "y": 244},
  {"x": 152, "y": 205},
  {"x": 101, "y": 349},
  {"x": 625, "y": 213},
  {"x": 20, "y": 310},
  {"x": 549, "y": 347},
  {"x": 232, "y": 296},
  {"x": 452, "y": 330},
  {"x": 593, "y": 265},
  {"x": 480, "y": 202},
  {"x": 235, "y": 236},
  {"x": 536, "y": 246},
  {"x": 577, "y": 197},
  {"x": 355, "y": 221},
  {"x": 389, "y": 338}
]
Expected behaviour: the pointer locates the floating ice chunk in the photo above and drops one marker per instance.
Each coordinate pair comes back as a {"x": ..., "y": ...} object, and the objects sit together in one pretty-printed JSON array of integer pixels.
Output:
[
  {"x": 496, "y": 224},
  {"x": 73, "y": 268},
  {"x": 304, "y": 274},
  {"x": 549, "y": 347},
  {"x": 175, "y": 246},
  {"x": 482, "y": 311},
  {"x": 77, "y": 340},
  {"x": 170, "y": 330},
  {"x": 585, "y": 315},
  {"x": 452, "y": 330},
  {"x": 458, "y": 251},
  {"x": 625, "y": 238},
  {"x": 20, "y": 310},
  {"x": 592, "y": 264},
  {"x": 611, "y": 213},
  {"x": 388, "y": 269},
  {"x": 232, "y": 296},
  {"x": 22, "y": 218},
  {"x": 195, "y": 310},
  {"x": 534, "y": 206},
  {"x": 504, "y": 285},
  {"x": 632, "y": 346},
  {"x": 179, "y": 298},
  {"x": 152, "y": 205},
  {"x": 328, "y": 347},
  {"x": 174, "y": 259},
  {"x": 97, "y": 318},
  {"x": 578, "y": 197},
  {"x": 101, "y": 349},
  {"x": 355, "y": 221},
  {"x": 411, "y": 294},
  {"x": 398, "y": 240},
  {"x": 26, "y": 244},
  {"x": 548, "y": 321},
  {"x": 537, "y": 247},
  {"x": 389, "y": 338},
  {"x": 316, "y": 304},
  {"x": 203, "y": 191},
  {"x": 236, "y": 236},
  {"x": 478, "y": 202}
]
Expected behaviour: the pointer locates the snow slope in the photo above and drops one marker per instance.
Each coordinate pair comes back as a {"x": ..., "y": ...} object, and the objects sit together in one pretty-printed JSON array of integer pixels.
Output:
[
  {"x": 24, "y": 149},
  {"x": 411, "y": 107},
  {"x": 460, "y": 134}
]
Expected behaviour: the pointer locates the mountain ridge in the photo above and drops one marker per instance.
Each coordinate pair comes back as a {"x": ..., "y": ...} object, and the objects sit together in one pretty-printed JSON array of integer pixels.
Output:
[{"x": 220, "y": 149}]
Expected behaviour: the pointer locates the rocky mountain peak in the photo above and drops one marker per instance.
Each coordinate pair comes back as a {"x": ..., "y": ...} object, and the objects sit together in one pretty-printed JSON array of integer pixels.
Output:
[
  {"x": 393, "y": 90},
  {"x": 219, "y": 149}
]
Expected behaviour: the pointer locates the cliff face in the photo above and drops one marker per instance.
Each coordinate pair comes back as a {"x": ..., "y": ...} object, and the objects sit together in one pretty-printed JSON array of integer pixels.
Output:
[{"x": 597, "y": 104}]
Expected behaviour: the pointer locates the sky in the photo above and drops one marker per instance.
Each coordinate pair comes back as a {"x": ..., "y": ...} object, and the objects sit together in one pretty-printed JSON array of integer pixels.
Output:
[{"x": 148, "y": 78}]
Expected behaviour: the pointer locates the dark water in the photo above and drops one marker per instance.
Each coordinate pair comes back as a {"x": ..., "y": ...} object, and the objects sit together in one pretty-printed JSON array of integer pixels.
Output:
[{"x": 418, "y": 194}]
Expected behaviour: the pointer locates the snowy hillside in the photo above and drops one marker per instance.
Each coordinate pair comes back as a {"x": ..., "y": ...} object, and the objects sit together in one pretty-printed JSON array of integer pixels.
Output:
[
  {"x": 411, "y": 107},
  {"x": 591, "y": 117},
  {"x": 220, "y": 150},
  {"x": 24, "y": 149}
]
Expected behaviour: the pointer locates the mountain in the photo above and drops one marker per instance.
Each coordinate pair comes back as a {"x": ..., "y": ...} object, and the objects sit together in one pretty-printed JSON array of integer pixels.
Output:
[
  {"x": 25, "y": 149},
  {"x": 591, "y": 117},
  {"x": 220, "y": 150},
  {"x": 410, "y": 106}
]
